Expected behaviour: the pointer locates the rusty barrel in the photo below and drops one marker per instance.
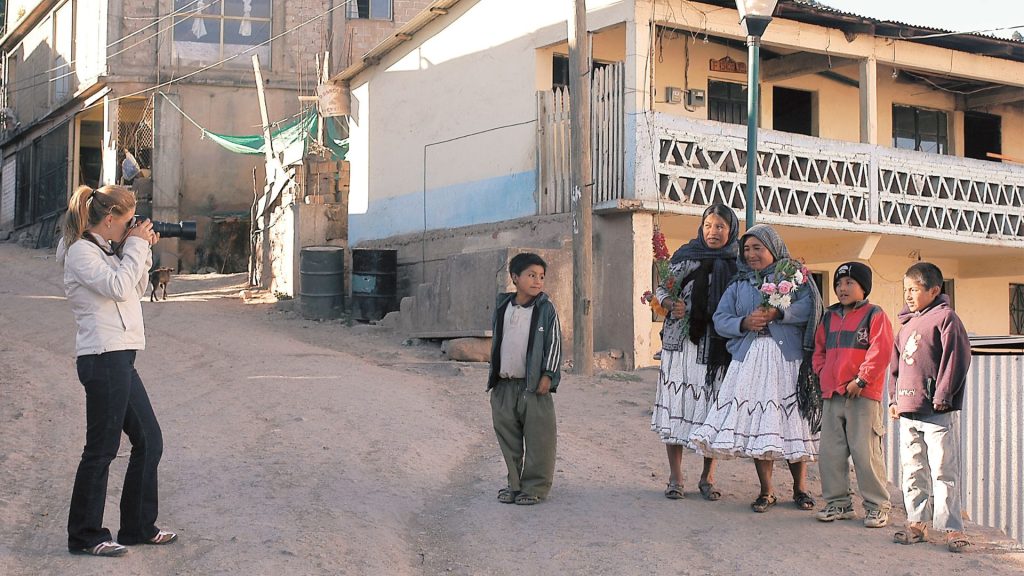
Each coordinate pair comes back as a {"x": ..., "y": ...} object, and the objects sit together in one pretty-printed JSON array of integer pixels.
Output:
[
  {"x": 321, "y": 282},
  {"x": 374, "y": 283}
]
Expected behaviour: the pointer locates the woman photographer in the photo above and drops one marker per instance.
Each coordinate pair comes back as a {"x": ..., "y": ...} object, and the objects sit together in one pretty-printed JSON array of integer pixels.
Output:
[{"x": 106, "y": 261}]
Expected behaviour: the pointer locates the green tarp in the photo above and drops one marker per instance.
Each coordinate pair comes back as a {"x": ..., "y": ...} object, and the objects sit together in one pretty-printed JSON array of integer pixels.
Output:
[{"x": 296, "y": 133}]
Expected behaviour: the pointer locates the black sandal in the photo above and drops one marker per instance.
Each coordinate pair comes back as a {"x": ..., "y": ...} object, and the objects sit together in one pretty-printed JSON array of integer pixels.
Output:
[
  {"x": 803, "y": 501},
  {"x": 764, "y": 502},
  {"x": 708, "y": 491},
  {"x": 674, "y": 491},
  {"x": 507, "y": 495}
]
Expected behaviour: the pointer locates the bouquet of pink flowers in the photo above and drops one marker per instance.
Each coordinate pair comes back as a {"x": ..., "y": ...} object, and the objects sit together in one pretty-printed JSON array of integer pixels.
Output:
[
  {"x": 778, "y": 289},
  {"x": 661, "y": 263}
]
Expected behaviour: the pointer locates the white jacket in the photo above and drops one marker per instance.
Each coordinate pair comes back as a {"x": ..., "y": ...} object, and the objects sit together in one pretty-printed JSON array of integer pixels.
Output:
[{"x": 105, "y": 293}]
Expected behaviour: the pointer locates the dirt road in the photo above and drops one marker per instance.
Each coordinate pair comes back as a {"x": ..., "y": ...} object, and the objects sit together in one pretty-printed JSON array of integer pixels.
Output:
[{"x": 299, "y": 447}]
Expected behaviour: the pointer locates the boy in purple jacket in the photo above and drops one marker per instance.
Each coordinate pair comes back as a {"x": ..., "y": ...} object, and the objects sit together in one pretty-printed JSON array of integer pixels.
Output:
[{"x": 929, "y": 371}]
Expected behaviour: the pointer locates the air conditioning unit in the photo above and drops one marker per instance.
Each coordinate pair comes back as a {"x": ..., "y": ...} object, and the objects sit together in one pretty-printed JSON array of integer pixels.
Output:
[{"x": 673, "y": 95}]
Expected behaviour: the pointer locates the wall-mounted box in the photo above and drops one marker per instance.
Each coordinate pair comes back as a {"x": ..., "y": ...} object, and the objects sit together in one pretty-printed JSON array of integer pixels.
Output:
[{"x": 695, "y": 98}]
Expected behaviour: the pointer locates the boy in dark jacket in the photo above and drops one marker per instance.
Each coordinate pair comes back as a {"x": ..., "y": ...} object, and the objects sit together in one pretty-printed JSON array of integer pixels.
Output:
[
  {"x": 526, "y": 357},
  {"x": 852, "y": 347},
  {"x": 929, "y": 371}
]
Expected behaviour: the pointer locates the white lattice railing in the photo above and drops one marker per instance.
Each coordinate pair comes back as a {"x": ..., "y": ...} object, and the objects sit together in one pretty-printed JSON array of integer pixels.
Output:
[{"x": 839, "y": 183}]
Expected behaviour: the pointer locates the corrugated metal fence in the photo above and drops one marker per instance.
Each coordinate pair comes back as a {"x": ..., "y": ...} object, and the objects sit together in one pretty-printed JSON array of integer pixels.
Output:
[{"x": 992, "y": 445}]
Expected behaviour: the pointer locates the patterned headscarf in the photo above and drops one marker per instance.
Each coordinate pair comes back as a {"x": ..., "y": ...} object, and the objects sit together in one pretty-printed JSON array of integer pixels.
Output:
[{"x": 771, "y": 240}]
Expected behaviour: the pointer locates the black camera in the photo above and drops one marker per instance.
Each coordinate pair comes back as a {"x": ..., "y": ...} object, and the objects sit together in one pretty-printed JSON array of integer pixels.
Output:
[{"x": 186, "y": 229}]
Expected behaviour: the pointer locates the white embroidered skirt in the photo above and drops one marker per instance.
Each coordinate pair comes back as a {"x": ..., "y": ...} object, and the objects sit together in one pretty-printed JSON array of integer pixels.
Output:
[
  {"x": 756, "y": 414},
  {"x": 682, "y": 400}
]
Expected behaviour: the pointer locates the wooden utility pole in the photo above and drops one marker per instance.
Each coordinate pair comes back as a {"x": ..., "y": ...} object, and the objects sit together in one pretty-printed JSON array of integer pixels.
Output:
[
  {"x": 582, "y": 190},
  {"x": 268, "y": 148}
]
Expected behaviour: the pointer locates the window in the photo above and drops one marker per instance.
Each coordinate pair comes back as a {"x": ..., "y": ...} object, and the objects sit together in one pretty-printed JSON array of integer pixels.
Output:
[
  {"x": 919, "y": 129},
  {"x": 819, "y": 281},
  {"x": 1016, "y": 308},
  {"x": 369, "y": 9},
  {"x": 60, "y": 71},
  {"x": 560, "y": 70},
  {"x": 949, "y": 289},
  {"x": 209, "y": 31},
  {"x": 727, "y": 102}
]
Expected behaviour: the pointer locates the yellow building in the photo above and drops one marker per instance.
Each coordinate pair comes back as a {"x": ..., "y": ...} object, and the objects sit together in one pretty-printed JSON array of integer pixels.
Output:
[{"x": 879, "y": 141}]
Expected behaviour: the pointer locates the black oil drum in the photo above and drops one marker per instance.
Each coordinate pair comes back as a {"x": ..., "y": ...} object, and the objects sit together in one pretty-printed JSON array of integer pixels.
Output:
[
  {"x": 374, "y": 280},
  {"x": 321, "y": 282}
]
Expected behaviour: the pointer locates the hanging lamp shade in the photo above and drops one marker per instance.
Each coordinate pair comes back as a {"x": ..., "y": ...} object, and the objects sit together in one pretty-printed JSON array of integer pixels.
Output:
[{"x": 755, "y": 15}]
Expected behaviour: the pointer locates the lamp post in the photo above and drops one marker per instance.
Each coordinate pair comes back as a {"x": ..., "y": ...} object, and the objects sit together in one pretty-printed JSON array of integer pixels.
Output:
[{"x": 755, "y": 16}]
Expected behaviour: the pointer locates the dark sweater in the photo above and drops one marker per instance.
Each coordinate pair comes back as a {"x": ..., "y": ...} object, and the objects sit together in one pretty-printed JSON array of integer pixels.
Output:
[
  {"x": 931, "y": 359},
  {"x": 544, "y": 348}
]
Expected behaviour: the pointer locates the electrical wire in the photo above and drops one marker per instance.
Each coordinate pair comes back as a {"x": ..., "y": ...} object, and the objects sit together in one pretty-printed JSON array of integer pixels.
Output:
[
  {"x": 108, "y": 57},
  {"x": 193, "y": 73},
  {"x": 228, "y": 59}
]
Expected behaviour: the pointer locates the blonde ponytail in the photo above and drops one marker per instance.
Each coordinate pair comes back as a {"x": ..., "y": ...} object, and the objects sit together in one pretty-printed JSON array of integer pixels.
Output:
[{"x": 88, "y": 207}]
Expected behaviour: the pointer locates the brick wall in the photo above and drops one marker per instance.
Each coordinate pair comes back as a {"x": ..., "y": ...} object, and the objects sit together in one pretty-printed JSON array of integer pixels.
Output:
[{"x": 362, "y": 35}]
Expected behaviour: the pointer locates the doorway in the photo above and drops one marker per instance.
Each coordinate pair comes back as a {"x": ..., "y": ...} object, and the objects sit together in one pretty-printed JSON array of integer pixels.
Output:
[
  {"x": 793, "y": 111},
  {"x": 983, "y": 133}
]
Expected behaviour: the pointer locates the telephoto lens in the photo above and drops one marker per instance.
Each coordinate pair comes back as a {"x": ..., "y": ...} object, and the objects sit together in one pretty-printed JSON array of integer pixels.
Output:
[{"x": 186, "y": 229}]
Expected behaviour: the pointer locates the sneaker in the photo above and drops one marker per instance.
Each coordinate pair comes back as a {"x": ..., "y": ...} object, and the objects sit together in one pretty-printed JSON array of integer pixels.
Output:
[
  {"x": 876, "y": 519},
  {"x": 832, "y": 512}
]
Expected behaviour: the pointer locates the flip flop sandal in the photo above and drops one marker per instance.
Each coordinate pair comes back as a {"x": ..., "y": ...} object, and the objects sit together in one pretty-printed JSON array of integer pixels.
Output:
[
  {"x": 507, "y": 495},
  {"x": 708, "y": 491},
  {"x": 674, "y": 491},
  {"x": 108, "y": 548},
  {"x": 956, "y": 542},
  {"x": 910, "y": 536},
  {"x": 524, "y": 499},
  {"x": 764, "y": 502},
  {"x": 803, "y": 501}
]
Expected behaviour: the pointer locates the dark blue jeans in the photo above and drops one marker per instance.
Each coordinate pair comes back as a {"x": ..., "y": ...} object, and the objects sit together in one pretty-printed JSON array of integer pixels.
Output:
[{"x": 115, "y": 400}]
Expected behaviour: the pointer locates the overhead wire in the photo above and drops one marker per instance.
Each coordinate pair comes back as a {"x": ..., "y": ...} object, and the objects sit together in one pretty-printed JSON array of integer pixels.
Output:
[
  {"x": 173, "y": 80},
  {"x": 70, "y": 63}
]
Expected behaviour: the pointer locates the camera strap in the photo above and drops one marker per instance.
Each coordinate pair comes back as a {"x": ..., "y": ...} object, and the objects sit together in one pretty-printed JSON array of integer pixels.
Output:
[{"x": 106, "y": 249}]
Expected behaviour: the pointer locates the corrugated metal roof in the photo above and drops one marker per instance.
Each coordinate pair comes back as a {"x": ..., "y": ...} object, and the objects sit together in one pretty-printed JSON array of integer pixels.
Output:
[{"x": 826, "y": 8}]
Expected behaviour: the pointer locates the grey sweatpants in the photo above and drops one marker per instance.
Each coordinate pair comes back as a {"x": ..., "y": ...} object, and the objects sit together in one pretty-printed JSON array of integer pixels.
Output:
[{"x": 525, "y": 426}]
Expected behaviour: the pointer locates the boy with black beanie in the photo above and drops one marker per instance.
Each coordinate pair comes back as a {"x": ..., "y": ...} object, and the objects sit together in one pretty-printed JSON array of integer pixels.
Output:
[{"x": 852, "y": 347}]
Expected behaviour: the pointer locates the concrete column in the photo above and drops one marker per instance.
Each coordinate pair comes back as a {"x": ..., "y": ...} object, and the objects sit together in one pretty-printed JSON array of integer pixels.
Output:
[
  {"x": 109, "y": 154},
  {"x": 955, "y": 133},
  {"x": 869, "y": 101},
  {"x": 167, "y": 173},
  {"x": 644, "y": 345},
  {"x": 765, "y": 117},
  {"x": 639, "y": 158}
]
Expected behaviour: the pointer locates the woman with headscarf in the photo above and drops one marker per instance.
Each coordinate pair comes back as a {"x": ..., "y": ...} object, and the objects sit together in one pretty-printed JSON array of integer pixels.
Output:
[
  {"x": 694, "y": 356},
  {"x": 756, "y": 414}
]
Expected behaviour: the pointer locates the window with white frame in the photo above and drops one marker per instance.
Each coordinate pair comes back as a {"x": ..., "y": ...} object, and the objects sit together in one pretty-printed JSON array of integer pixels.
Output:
[
  {"x": 208, "y": 31},
  {"x": 369, "y": 9},
  {"x": 60, "y": 71}
]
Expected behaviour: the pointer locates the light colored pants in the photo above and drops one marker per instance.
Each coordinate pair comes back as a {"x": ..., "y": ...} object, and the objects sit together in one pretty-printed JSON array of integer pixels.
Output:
[
  {"x": 930, "y": 458},
  {"x": 525, "y": 426},
  {"x": 853, "y": 427}
]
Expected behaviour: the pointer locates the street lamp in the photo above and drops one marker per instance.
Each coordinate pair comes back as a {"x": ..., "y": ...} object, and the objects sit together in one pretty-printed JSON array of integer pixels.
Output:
[{"x": 755, "y": 16}]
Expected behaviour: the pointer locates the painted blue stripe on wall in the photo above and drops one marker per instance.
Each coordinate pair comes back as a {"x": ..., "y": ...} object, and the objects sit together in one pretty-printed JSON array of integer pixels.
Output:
[{"x": 489, "y": 200}]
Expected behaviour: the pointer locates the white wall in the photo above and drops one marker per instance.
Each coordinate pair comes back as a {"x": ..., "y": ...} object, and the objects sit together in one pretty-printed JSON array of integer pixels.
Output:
[{"x": 443, "y": 130}]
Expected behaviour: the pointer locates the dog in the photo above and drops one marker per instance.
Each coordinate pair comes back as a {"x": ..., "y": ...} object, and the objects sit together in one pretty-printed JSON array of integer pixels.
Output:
[{"x": 159, "y": 278}]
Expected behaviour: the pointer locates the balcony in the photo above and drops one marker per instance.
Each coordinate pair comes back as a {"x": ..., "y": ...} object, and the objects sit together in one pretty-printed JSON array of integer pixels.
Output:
[{"x": 821, "y": 183}]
